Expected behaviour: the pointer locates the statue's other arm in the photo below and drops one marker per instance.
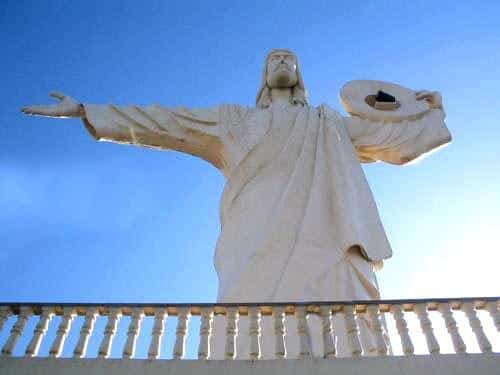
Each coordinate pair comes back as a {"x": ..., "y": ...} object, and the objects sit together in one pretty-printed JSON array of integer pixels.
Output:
[
  {"x": 403, "y": 141},
  {"x": 194, "y": 131}
]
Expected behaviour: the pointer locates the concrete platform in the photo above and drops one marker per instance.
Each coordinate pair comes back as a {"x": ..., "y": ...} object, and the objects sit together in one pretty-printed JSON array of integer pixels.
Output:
[{"x": 447, "y": 364}]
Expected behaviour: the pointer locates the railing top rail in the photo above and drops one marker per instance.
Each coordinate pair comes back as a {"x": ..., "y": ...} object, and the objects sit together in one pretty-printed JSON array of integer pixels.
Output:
[
  {"x": 195, "y": 308},
  {"x": 271, "y": 304}
]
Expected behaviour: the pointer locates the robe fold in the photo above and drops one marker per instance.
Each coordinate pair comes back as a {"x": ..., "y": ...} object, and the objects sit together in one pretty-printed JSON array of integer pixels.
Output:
[{"x": 298, "y": 220}]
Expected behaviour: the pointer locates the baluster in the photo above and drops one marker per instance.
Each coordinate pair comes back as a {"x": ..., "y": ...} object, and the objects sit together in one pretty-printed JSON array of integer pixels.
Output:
[
  {"x": 352, "y": 330},
  {"x": 207, "y": 317},
  {"x": 426, "y": 325},
  {"x": 180, "y": 333},
  {"x": 39, "y": 332},
  {"x": 232, "y": 316},
  {"x": 254, "y": 331},
  {"x": 133, "y": 331},
  {"x": 477, "y": 328},
  {"x": 327, "y": 330},
  {"x": 451, "y": 326},
  {"x": 490, "y": 306},
  {"x": 4, "y": 315},
  {"x": 157, "y": 333},
  {"x": 85, "y": 332},
  {"x": 279, "y": 331},
  {"x": 303, "y": 332},
  {"x": 16, "y": 331},
  {"x": 61, "y": 333},
  {"x": 366, "y": 337},
  {"x": 376, "y": 329},
  {"x": 402, "y": 328},
  {"x": 109, "y": 333}
]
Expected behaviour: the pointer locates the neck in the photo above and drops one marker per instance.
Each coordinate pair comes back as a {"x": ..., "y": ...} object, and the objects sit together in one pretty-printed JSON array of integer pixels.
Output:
[{"x": 281, "y": 96}]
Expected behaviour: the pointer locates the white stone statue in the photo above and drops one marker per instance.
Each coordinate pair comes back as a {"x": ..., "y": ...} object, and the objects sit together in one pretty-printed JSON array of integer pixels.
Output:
[{"x": 298, "y": 220}]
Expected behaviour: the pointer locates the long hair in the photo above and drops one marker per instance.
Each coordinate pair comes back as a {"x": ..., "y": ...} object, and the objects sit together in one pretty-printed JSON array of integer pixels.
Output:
[{"x": 299, "y": 94}]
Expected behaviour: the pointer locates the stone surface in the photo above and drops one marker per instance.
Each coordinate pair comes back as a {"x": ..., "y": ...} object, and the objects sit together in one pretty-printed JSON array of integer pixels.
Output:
[
  {"x": 298, "y": 220},
  {"x": 448, "y": 364}
]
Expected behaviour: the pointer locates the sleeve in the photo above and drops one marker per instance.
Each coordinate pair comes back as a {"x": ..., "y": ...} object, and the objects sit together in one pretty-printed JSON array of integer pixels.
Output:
[
  {"x": 194, "y": 131},
  {"x": 398, "y": 142}
]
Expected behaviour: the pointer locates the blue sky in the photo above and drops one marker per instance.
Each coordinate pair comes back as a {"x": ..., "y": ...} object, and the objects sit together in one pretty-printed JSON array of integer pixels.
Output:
[{"x": 88, "y": 221}]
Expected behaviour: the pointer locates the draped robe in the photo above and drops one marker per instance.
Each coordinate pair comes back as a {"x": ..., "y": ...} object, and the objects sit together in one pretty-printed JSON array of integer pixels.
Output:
[{"x": 298, "y": 220}]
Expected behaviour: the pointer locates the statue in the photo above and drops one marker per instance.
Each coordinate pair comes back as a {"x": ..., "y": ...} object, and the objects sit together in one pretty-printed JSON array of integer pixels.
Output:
[{"x": 298, "y": 220}]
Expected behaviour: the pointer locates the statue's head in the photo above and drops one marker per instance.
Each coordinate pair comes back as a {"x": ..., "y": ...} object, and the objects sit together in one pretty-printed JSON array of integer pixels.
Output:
[{"x": 281, "y": 70}]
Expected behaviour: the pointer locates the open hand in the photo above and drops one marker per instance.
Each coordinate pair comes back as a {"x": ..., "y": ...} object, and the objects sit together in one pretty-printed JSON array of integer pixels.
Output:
[
  {"x": 432, "y": 97},
  {"x": 67, "y": 107}
]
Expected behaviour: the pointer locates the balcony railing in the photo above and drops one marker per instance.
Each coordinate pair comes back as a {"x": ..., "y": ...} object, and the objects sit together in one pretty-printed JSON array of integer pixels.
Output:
[{"x": 349, "y": 313}]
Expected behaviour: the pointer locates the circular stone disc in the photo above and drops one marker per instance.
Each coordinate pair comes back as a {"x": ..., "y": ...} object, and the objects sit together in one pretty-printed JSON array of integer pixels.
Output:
[{"x": 354, "y": 93}]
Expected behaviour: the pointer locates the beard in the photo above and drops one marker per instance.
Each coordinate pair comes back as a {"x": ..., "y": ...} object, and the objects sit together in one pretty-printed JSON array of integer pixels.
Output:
[{"x": 282, "y": 78}]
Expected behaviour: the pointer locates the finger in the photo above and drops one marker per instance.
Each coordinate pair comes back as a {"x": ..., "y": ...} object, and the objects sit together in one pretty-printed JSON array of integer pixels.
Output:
[
  {"x": 57, "y": 95},
  {"x": 38, "y": 110},
  {"x": 424, "y": 95},
  {"x": 27, "y": 109}
]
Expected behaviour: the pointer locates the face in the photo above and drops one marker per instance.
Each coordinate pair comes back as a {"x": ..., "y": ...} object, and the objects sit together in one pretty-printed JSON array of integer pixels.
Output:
[{"x": 281, "y": 70}]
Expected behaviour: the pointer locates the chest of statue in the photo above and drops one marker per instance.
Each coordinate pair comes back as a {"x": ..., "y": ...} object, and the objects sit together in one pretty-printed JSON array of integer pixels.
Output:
[{"x": 256, "y": 125}]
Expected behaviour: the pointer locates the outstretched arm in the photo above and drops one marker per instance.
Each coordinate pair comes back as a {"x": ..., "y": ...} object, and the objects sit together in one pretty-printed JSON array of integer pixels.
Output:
[
  {"x": 196, "y": 131},
  {"x": 402, "y": 141}
]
